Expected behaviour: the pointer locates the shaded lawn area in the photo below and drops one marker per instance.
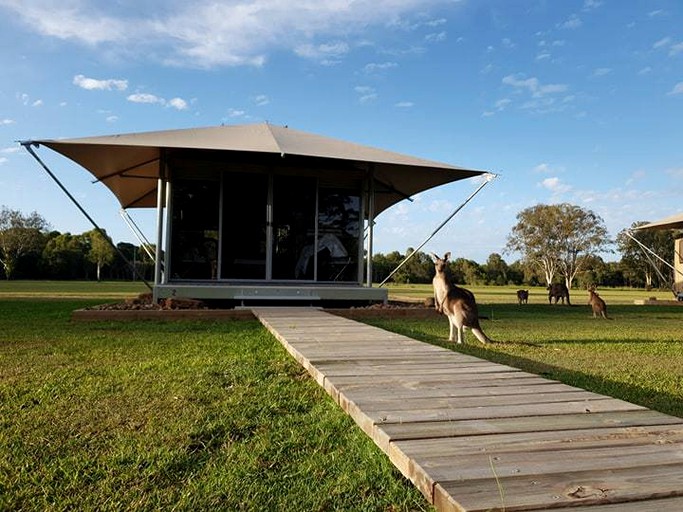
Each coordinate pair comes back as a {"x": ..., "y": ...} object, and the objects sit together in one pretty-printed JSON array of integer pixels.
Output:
[
  {"x": 173, "y": 416},
  {"x": 637, "y": 356}
]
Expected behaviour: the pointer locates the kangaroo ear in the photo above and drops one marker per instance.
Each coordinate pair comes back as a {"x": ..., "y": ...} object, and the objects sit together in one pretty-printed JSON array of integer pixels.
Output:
[
  {"x": 447, "y": 256},
  {"x": 435, "y": 258}
]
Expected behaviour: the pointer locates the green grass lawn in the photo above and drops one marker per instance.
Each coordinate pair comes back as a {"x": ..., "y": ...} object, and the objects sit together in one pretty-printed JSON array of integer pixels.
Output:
[
  {"x": 173, "y": 416},
  {"x": 636, "y": 356},
  {"x": 208, "y": 415}
]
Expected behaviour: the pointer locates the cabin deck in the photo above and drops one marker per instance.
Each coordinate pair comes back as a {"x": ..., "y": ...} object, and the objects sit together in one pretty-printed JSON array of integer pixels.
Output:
[{"x": 476, "y": 436}]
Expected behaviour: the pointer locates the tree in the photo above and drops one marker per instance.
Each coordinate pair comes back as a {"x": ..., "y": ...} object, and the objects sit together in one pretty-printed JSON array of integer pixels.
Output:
[
  {"x": 637, "y": 263},
  {"x": 101, "y": 251},
  {"x": 64, "y": 256},
  {"x": 496, "y": 270},
  {"x": 20, "y": 235},
  {"x": 555, "y": 237}
]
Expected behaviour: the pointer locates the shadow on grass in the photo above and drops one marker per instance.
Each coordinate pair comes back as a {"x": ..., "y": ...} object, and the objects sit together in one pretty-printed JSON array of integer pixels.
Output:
[{"x": 641, "y": 395}]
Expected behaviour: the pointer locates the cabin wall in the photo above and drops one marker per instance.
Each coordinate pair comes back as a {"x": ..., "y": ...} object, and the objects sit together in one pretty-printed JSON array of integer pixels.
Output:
[{"x": 678, "y": 265}]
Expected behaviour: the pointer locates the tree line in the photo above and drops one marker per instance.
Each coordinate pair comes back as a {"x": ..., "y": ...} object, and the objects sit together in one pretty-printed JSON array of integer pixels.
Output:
[
  {"x": 30, "y": 250},
  {"x": 556, "y": 242},
  {"x": 560, "y": 242}
]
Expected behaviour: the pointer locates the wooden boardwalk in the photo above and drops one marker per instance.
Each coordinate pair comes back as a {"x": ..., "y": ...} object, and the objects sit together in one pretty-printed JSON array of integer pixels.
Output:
[{"x": 476, "y": 436}]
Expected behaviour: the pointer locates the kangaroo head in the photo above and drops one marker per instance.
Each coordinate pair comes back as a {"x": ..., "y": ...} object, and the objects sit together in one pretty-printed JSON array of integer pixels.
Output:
[{"x": 441, "y": 264}]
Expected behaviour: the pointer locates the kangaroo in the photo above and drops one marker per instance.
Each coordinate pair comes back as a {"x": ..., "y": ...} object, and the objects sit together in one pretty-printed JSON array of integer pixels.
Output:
[
  {"x": 523, "y": 296},
  {"x": 597, "y": 304},
  {"x": 458, "y": 304}
]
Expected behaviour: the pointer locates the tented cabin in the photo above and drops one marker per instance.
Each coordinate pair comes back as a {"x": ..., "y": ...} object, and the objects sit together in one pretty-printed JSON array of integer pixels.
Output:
[
  {"x": 673, "y": 222},
  {"x": 258, "y": 213}
]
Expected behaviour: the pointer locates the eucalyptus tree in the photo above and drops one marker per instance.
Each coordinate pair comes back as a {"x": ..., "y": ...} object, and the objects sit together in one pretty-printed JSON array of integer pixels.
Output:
[
  {"x": 556, "y": 238},
  {"x": 20, "y": 235},
  {"x": 101, "y": 251}
]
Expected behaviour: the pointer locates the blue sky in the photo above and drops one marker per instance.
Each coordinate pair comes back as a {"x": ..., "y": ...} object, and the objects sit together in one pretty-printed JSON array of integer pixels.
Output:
[{"x": 577, "y": 101}]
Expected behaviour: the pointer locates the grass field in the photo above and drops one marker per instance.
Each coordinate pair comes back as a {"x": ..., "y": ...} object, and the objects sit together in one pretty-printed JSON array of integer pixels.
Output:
[
  {"x": 216, "y": 416},
  {"x": 184, "y": 416}
]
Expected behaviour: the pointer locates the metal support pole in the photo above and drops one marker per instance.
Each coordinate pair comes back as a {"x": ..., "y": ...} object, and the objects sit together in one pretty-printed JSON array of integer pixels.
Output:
[
  {"x": 27, "y": 147},
  {"x": 488, "y": 178},
  {"x": 371, "y": 222},
  {"x": 160, "y": 230}
]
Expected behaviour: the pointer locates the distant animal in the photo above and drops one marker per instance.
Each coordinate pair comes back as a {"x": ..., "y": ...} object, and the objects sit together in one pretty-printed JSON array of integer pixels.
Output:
[
  {"x": 523, "y": 296},
  {"x": 557, "y": 292},
  {"x": 458, "y": 304},
  {"x": 597, "y": 304}
]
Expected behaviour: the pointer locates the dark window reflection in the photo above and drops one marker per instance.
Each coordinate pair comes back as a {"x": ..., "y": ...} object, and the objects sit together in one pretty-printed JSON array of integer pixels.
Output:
[
  {"x": 244, "y": 226},
  {"x": 194, "y": 237}
]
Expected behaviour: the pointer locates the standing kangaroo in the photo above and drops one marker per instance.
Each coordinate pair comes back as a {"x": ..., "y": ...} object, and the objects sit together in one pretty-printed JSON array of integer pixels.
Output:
[
  {"x": 458, "y": 304},
  {"x": 597, "y": 304}
]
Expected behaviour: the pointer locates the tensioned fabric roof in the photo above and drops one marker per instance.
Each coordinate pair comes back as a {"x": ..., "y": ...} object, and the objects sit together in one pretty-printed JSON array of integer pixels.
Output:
[
  {"x": 129, "y": 164},
  {"x": 672, "y": 222}
]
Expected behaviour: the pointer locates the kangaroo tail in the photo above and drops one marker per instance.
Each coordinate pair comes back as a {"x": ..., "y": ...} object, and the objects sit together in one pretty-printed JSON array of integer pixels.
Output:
[{"x": 480, "y": 335}]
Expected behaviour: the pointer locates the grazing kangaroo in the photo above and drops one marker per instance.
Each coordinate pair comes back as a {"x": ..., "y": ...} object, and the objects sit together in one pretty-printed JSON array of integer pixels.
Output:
[
  {"x": 458, "y": 304},
  {"x": 523, "y": 296},
  {"x": 597, "y": 304}
]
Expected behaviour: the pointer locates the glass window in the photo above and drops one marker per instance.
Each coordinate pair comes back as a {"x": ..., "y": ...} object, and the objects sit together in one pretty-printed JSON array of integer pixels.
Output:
[
  {"x": 243, "y": 234},
  {"x": 194, "y": 236},
  {"x": 338, "y": 234},
  {"x": 293, "y": 227}
]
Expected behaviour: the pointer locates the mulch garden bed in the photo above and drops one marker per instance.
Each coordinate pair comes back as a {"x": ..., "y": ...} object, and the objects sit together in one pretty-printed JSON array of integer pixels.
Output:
[{"x": 143, "y": 308}]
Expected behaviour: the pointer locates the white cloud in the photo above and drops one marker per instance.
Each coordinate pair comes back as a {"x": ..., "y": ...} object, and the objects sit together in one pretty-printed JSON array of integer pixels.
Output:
[
  {"x": 667, "y": 43},
  {"x": 366, "y": 94},
  {"x": 533, "y": 85},
  {"x": 437, "y": 37},
  {"x": 572, "y": 23},
  {"x": 555, "y": 185},
  {"x": 327, "y": 53},
  {"x": 206, "y": 33},
  {"x": 145, "y": 98},
  {"x": 374, "y": 67},
  {"x": 233, "y": 112},
  {"x": 178, "y": 103},
  {"x": 676, "y": 49},
  {"x": 404, "y": 104},
  {"x": 2, "y": 160},
  {"x": 5, "y": 122},
  {"x": 591, "y": 4},
  {"x": 92, "y": 84},
  {"x": 542, "y": 168},
  {"x": 662, "y": 43},
  {"x": 602, "y": 71},
  {"x": 261, "y": 100},
  {"x": 153, "y": 99},
  {"x": 678, "y": 89},
  {"x": 502, "y": 103}
]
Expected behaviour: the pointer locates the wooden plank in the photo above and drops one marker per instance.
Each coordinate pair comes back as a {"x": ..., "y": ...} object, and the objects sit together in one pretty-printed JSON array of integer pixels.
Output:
[
  {"x": 541, "y": 441},
  {"x": 583, "y": 489},
  {"x": 385, "y": 416},
  {"x": 403, "y": 403},
  {"x": 361, "y": 395},
  {"x": 547, "y": 462},
  {"x": 444, "y": 429}
]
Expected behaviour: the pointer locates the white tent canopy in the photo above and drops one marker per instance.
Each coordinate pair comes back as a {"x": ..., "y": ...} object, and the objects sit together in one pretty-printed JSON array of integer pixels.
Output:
[
  {"x": 131, "y": 164},
  {"x": 671, "y": 222}
]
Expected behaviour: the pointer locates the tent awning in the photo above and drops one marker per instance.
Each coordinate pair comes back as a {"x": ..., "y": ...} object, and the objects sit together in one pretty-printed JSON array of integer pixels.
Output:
[
  {"x": 671, "y": 222},
  {"x": 130, "y": 164}
]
